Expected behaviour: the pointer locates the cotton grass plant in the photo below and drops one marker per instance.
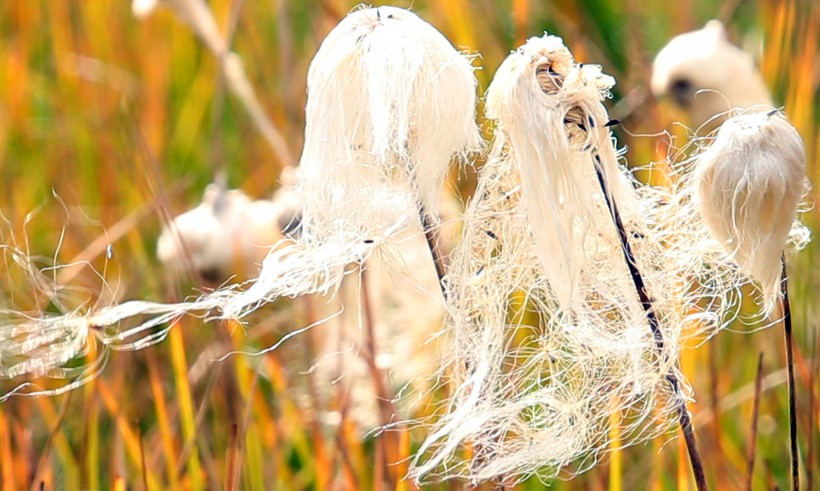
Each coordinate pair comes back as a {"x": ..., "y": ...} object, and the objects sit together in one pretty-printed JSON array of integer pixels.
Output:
[
  {"x": 390, "y": 103},
  {"x": 385, "y": 90},
  {"x": 613, "y": 276},
  {"x": 750, "y": 182},
  {"x": 574, "y": 287},
  {"x": 536, "y": 395}
]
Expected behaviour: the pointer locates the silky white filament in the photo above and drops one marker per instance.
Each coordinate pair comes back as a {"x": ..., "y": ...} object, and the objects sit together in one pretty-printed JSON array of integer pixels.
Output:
[
  {"x": 549, "y": 338},
  {"x": 390, "y": 103},
  {"x": 749, "y": 183}
]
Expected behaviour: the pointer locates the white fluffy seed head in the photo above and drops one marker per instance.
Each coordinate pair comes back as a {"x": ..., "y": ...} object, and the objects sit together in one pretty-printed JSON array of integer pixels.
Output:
[
  {"x": 387, "y": 90},
  {"x": 748, "y": 185},
  {"x": 540, "y": 99},
  {"x": 227, "y": 233},
  {"x": 548, "y": 336},
  {"x": 143, "y": 8},
  {"x": 390, "y": 104},
  {"x": 707, "y": 75}
]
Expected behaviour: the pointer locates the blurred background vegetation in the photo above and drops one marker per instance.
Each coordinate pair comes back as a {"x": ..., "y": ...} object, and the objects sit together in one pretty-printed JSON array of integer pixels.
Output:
[{"x": 110, "y": 125}]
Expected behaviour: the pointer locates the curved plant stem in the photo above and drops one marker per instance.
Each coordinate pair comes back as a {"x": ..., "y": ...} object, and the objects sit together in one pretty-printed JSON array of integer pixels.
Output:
[
  {"x": 787, "y": 330},
  {"x": 646, "y": 303}
]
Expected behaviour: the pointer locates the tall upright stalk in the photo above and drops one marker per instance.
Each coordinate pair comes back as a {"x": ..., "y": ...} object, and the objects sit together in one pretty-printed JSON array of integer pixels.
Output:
[
  {"x": 787, "y": 331},
  {"x": 646, "y": 303}
]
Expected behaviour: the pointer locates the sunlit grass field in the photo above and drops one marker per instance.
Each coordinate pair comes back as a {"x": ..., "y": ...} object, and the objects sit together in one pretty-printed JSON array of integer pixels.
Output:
[{"x": 110, "y": 125}]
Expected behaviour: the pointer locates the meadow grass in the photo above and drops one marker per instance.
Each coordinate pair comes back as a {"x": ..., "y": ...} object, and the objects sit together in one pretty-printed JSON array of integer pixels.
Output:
[{"x": 111, "y": 125}]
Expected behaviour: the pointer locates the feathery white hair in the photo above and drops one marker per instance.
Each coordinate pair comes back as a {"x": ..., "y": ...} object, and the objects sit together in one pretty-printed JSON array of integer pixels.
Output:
[
  {"x": 549, "y": 336},
  {"x": 390, "y": 103}
]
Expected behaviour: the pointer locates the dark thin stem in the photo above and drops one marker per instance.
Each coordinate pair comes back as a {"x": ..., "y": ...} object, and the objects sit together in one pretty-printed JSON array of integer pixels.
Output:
[
  {"x": 432, "y": 244},
  {"x": 654, "y": 326},
  {"x": 810, "y": 451},
  {"x": 787, "y": 329},
  {"x": 751, "y": 452}
]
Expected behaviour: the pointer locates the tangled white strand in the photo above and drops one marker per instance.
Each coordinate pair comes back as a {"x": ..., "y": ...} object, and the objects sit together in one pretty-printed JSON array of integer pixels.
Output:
[
  {"x": 536, "y": 394},
  {"x": 535, "y": 390},
  {"x": 390, "y": 103}
]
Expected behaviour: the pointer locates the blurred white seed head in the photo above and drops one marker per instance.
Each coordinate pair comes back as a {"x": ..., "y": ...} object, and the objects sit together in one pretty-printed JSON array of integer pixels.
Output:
[
  {"x": 143, "y": 8},
  {"x": 707, "y": 75},
  {"x": 748, "y": 185},
  {"x": 227, "y": 233}
]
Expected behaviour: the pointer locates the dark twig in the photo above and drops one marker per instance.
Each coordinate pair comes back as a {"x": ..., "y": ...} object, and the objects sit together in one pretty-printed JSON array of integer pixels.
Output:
[
  {"x": 751, "y": 451},
  {"x": 432, "y": 244},
  {"x": 787, "y": 328},
  {"x": 654, "y": 326},
  {"x": 810, "y": 452},
  {"x": 232, "y": 473}
]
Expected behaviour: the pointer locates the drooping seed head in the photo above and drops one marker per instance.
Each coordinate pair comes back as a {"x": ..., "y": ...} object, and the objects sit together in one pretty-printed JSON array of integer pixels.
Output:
[{"x": 748, "y": 185}]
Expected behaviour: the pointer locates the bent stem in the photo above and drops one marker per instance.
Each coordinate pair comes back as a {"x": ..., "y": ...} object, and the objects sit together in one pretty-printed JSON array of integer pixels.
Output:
[
  {"x": 787, "y": 331},
  {"x": 646, "y": 303}
]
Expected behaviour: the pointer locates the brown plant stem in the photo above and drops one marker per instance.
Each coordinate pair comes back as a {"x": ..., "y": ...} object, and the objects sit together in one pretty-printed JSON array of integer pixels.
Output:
[
  {"x": 787, "y": 330},
  {"x": 143, "y": 465},
  {"x": 654, "y": 326},
  {"x": 385, "y": 402}
]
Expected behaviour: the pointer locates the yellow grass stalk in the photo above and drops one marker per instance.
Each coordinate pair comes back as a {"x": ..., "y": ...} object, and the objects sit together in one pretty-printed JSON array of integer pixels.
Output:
[
  {"x": 185, "y": 401},
  {"x": 59, "y": 442},
  {"x": 163, "y": 422},
  {"x": 92, "y": 441},
  {"x": 616, "y": 461},
  {"x": 129, "y": 436},
  {"x": 8, "y": 462}
]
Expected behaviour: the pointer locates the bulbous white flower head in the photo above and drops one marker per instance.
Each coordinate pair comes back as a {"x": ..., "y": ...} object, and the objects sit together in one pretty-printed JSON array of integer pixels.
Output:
[
  {"x": 749, "y": 183},
  {"x": 387, "y": 90}
]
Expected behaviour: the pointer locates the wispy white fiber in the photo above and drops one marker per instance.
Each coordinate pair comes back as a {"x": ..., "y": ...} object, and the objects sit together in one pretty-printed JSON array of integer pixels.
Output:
[
  {"x": 549, "y": 339},
  {"x": 390, "y": 103}
]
